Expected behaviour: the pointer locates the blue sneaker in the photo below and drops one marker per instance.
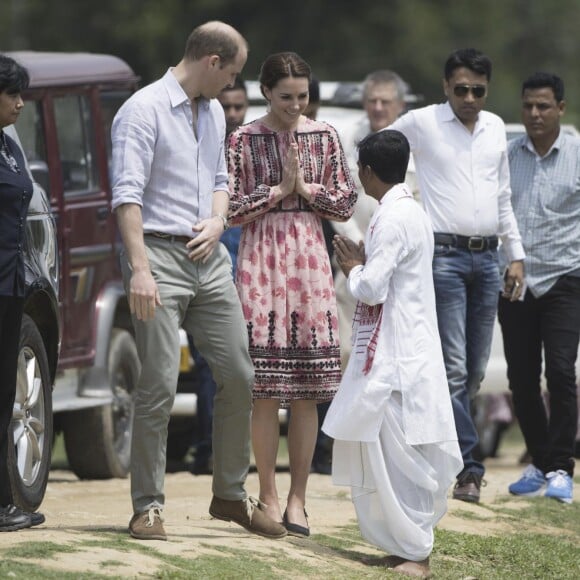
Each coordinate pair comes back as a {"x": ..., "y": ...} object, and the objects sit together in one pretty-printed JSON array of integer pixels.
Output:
[
  {"x": 531, "y": 482},
  {"x": 559, "y": 486}
]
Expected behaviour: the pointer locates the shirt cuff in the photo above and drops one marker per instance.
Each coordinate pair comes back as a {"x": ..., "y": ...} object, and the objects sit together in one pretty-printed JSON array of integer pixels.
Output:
[{"x": 514, "y": 250}]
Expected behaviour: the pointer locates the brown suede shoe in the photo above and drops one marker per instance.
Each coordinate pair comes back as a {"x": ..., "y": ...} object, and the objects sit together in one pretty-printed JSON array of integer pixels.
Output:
[
  {"x": 468, "y": 487},
  {"x": 247, "y": 513},
  {"x": 148, "y": 525}
]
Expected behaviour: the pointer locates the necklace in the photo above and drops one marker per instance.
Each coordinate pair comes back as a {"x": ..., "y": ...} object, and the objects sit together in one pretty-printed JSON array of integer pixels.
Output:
[{"x": 7, "y": 156}]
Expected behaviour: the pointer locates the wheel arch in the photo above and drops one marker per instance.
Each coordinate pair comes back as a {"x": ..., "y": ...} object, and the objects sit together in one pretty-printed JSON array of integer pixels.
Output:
[
  {"x": 111, "y": 311},
  {"x": 42, "y": 307}
]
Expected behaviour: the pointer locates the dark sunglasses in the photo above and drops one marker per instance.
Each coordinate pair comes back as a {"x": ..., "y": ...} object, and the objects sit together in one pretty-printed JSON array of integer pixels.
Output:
[
  {"x": 478, "y": 91},
  {"x": 235, "y": 107}
]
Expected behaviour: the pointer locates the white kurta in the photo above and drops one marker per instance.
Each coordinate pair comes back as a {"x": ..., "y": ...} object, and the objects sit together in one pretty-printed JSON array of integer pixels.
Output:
[{"x": 395, "y": 438}]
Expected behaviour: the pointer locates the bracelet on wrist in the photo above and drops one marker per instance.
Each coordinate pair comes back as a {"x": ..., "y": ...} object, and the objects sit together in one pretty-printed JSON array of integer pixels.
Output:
[{"x": 224, "y": 220}]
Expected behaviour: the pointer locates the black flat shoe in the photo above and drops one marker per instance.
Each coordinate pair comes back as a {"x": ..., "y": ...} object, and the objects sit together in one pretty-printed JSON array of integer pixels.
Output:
[
  {"x": 13, "y": 518},
  {"x": 36, "y": 518},
  {"x": 295, "y": 529}
]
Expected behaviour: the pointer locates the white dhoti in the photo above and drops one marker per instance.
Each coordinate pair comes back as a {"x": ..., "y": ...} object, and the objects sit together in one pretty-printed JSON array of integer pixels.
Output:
[
  {"x": 399, "y": 490},
  {"x": 391, "y": 419}
]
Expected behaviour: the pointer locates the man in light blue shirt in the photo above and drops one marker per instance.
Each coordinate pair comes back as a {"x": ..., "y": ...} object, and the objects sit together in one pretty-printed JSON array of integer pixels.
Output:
[
  {"x": 545, "y": 182},
  {"x": 170, "y": 194}
]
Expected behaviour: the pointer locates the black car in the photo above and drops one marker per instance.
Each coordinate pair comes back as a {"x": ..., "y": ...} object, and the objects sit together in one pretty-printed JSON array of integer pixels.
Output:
[{"x": 32, "y": 429}]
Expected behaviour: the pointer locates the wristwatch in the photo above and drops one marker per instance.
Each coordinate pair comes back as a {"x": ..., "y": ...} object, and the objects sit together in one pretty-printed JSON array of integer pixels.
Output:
[{"x": 224, "y": 220}]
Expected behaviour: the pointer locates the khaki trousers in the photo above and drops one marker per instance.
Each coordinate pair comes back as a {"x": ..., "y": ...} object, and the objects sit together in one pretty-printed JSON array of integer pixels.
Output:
[{"x": 203, "y": 300}]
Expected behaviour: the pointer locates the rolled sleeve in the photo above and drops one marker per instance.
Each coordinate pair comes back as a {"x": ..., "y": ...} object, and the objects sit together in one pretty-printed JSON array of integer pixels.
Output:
[
  {"x": 222, "y": 178},
  {"x": 133, "y": 138}
]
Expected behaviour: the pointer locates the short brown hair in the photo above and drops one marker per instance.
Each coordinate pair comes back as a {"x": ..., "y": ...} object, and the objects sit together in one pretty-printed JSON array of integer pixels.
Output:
[
  {"x": 282, "y": 65},
  {"x": 214, "y": 37}
]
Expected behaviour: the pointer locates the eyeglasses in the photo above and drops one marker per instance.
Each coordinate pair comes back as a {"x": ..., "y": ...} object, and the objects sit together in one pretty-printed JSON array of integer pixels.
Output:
[
  {"x": 478, "y": 91},
  {"x": 235, "y": 106}
]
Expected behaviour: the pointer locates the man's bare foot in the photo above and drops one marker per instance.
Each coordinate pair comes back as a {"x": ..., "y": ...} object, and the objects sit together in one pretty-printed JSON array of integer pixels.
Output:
[{"x": 418, "y": 569}]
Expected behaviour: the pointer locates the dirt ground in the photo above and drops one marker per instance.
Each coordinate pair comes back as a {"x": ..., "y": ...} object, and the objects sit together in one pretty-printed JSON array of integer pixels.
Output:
[{"x": 77, "y": 511}]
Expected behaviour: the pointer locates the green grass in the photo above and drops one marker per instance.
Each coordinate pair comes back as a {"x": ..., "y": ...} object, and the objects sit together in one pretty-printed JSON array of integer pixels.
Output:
[
  {"x": 513, "y": 555},
  {"x": 40, "y": 550},
  {"x": 27, "y": 570},
  {"x": 518, "y": 553}
]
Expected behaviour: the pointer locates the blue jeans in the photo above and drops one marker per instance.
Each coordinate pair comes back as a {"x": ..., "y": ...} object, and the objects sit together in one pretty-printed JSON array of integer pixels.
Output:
[{"x": 466, "y": 291}]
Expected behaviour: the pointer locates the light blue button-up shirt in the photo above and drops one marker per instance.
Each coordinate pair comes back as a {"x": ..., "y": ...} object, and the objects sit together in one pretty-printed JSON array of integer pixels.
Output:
[
  {"x": 546, "y": 202},
  {"x": 160, "y": 164}
]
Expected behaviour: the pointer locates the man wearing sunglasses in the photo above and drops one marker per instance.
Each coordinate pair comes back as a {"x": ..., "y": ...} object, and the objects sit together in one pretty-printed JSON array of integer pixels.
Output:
[{"x": 460, "y": 156}]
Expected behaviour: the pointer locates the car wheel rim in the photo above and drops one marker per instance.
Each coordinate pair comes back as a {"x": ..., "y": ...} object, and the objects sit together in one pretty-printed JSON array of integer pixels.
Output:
[{"x": 28, "y": 417}]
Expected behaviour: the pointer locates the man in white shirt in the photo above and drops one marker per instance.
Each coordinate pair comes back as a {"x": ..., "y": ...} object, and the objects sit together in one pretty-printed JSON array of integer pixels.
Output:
[
  {"x": 460, "y": 156},
  {"x": 170, "y": 194},
  {"x": 395, "y": 439}
]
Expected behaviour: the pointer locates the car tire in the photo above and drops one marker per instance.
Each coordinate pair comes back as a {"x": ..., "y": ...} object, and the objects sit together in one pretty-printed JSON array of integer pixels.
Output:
[
  {"x": 31, "y": 432},
  {"x": 98, "y": 439}
]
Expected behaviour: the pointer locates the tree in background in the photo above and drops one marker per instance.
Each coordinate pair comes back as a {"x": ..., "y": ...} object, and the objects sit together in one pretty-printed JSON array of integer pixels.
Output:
[{"x": 341, "y": 39}]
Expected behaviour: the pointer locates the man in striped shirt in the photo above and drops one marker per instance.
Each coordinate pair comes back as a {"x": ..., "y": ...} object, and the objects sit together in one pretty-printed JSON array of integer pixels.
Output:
[{"x": 545, "y": 182}]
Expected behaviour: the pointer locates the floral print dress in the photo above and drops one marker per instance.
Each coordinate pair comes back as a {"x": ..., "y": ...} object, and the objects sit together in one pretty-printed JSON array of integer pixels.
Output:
[{"x": 284, "y": 277}]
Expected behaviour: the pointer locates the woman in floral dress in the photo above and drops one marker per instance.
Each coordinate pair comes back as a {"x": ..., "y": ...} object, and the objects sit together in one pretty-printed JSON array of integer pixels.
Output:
[{"x": 286, "y": 172}]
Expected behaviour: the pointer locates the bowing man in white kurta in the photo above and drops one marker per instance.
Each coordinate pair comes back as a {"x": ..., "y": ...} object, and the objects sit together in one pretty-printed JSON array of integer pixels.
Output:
[{"x": 395, "y": 439}]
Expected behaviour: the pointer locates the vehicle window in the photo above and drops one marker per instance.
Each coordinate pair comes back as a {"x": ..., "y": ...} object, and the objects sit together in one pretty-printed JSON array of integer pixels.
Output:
[
  {"x": 76, "y": 142},
  {"x": 111, "y": 102},
  {"x": 30, "y": 127}
]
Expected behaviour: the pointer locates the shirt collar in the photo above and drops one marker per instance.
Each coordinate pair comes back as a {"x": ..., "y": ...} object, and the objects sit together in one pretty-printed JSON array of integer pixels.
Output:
[
  {"x": 177, "y": 95},
  {"x": 449, "y": 116},
  {"x": 396, "y": 192},
  {"x": 556, "y": 145}
]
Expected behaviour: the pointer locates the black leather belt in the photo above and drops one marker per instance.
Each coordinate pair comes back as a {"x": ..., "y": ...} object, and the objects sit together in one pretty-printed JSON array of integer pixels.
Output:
[
  {"x": 168, "y": 237},
  {"x": 472, "y": 243}
]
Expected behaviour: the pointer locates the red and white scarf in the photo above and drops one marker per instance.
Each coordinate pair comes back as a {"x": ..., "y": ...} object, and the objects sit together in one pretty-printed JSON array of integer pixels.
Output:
[{"x": 365, "y": 326}]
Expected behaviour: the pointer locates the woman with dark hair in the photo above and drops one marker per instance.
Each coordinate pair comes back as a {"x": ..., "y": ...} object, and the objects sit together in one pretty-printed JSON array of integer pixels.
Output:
[
  {"x": 286, "y": 173},
  {"x": 15, "y": 195}
]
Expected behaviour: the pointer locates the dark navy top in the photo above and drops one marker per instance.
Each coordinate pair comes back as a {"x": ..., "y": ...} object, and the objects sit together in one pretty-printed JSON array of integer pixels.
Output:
[{"x": 15, "y": 195}]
